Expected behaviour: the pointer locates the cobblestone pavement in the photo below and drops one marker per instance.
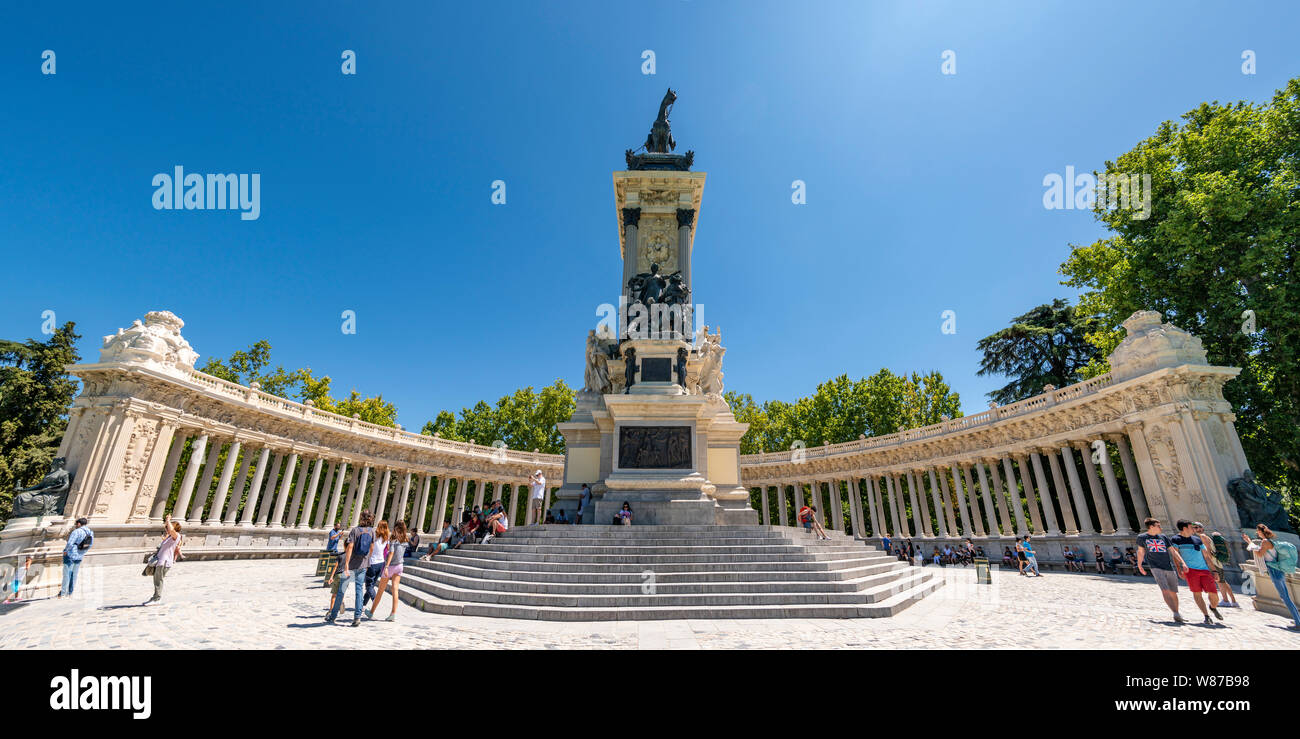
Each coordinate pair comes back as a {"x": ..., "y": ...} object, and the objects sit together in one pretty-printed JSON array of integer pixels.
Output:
[{"x": 279, "y": 604}]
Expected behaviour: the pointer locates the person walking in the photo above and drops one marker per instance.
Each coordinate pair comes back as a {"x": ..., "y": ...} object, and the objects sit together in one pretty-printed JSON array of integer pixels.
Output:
[
  {"x": 584, "y": 500},
  {"x": 20, "y": 574},
  {"x": 1200, "y": 580},
  {"x": 79, "y": 542},
  {"x": 165, "y": 557},
  {"x": 1278, "y": 558},
  {"x": 1031, "y": 559},
  {"x": 392, "y": 569},
  {"x": 1222, "y": 558},
  {"x": 356, "y": 555},
  {"x": 1157, "y": 551},
  {"x": 378, "y": 559},
  {"x": 1021, "y": 558},
  {"x": 536, "y": 496}
]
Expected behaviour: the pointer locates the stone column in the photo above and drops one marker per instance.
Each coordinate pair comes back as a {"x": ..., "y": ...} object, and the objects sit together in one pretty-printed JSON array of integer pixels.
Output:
[
  {"x": 1071, "y": 527},
  {"x": 972, "y": 500},
  {"x": 920, "y": 509},
  {"x": 191, "y": 476},
  {"x": 1133, "y": 479},
  {"x": 147, "y": 492},
  {"x": 255, "y": 488},
  {"x": 1022, "y": 464},
  {"x": 480, "y": 488},
  {"x": 514, "y": 504},
  {"x": 440, "y": 506},
  {"x": 855, "y": 490},
  {"x": 295, "y": 502},
  {"x": 340, "y": 479},
  {"x": 961, "y": 501},
  {"x": 282, "y": 499},
  {"x": 223, "y": 485},
  {"x": 547, "y": 505},
  {"x": 402, "y": 501},
  {"x": 836, "y": 504},
  {"x": 324, "y": 506},
  {"x": 1094, "y": 486},
  {"x": 946, "y": 496},
  {"x": 878, "y": 524},
  {"x": 459, "y": 507},
  {"x": 358, "y": 500},
  {"x": 1003, "y": 518},
  {"x": 780, "y": 504},
  {"x": 268, "y": 495},
  {"x": 1118, "y": 511},
  {"x": 168, "y": 476},
  {"x": 989, "y": 511},
  {"x": 1076, "y": 492},
  {"x": 939, "y": 518},
  {"x": 241, "y": 480},
  {"x": 763, "y": 495},
  {"x": 896, "y": 500},
  {"x": 200, "y": 499},
  {"x": 303, "y": 514},
  {"x": 380, "y": 496},
  {"x": 1045, "y": 495},
  {"x": 1016, "y": 507},
  {"x": 421, "y": 512},
  {"x": 685, "y": 219},
  {"x": 631, "y": 221},
  {"x": 915, "y": 526}
]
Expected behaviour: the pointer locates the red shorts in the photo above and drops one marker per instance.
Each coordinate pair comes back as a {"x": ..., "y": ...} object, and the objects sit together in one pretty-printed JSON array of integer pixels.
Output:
[{"x": 1201, "y": 581}]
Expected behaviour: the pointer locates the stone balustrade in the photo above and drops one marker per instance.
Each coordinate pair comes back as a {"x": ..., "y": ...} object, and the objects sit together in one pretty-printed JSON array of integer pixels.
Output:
[{"x": 1080, "y": 466}]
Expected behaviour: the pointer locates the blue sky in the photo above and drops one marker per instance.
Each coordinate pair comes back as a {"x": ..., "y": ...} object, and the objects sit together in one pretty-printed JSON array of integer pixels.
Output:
[{"x": 924, "y": 190}]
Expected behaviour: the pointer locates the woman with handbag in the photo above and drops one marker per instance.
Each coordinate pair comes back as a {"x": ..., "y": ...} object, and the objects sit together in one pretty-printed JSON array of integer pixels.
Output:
[{"x": 160, "y": 563}]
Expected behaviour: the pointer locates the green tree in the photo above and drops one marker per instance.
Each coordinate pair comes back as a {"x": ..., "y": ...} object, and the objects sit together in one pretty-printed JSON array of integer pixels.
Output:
[
  {"x": 524, "y": 420},
  {"x": 1047, "y": 345},
  {"x": 35, "y": 392},
  {"x": 1217, "y": 256}
]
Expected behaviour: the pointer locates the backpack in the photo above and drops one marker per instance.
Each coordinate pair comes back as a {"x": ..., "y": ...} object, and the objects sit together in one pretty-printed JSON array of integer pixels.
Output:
[
  {"x": 365, "y": 540},
  {"x": 1286, "y": 557},
  {"x": 89, "y": 539}
]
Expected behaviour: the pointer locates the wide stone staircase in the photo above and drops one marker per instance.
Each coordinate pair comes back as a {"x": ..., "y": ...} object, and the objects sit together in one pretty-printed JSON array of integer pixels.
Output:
[{"x": 607, "y": 573}]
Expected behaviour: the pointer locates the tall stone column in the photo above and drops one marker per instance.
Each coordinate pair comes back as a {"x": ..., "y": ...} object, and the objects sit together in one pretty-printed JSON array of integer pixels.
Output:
[
  {"x": 168, "y": 476},
  {"x": 200, "y": 499},
  {"x": 896, "y": 501},
  {"x": 1132, "y": 477},
  {"x": 939, "y": 516},
  {"x": 299, "y": 485},
  {"x": 223, "y": 485},
  {"x": 878, "y": 525},
  {"x": 406, "y": 491},
  {"x": 916, "y": 525},
  {"x": 481, "y": 486},
  {"x": 961, "y": 501},
  {"x": 282, "y": 499},
  {"x": 158, "y": 457},
  {"x": 327, "y": 498},
  {"x": 780, "y": 505},
  {"x": 972, "y": 501},
  {"x": 921, "y": 510},
  {"x": 231, "y": 516},
  {"x": 268, "y": 495},
  {"x": 358, "y": 499},
  {"x": 440, "y": 506},
  {"x": 1112, "y": 493},
  {"x": 1045, "y": 495},
  {"x": 1062, "y": 492},
  {"x": 341, "y": 478},
  {"x": 1003, "y": 517},
  {"x": 685, "y": 219},
  {"x": 303, "y": 515},
  {"x": 255, "y": 488},
  {"x": 1014, "y": 495},
  {"x": 1076, "y": 492},
  {"x": 989, "y": 510},
  {"x": 1022, "y": 463},
  {"x": 859, "y": 528},
  {"x": 946, "y": 496},
  {"x": 513, "y": 492},
  {"x": 631, "y": 221},
  {"x": 836, "y": 503},
  {"x": 1094, "y": 486},
  {"x": 197, "y": 450},
  {"x": 460, "y": 503},
  {"x": 380, "y": 496},
  {"x": 763, "y": 496},
  {"x": 422, "y": 505}
]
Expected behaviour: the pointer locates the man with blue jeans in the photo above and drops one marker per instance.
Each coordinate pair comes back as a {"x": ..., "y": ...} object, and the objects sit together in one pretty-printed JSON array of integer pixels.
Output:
[
  {"x": 356, "y": 555},
  {"x": 73, "y": 553}
]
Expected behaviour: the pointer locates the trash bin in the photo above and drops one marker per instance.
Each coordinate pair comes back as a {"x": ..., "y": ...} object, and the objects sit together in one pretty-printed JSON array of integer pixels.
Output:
[{"x": 983, "y": 573}]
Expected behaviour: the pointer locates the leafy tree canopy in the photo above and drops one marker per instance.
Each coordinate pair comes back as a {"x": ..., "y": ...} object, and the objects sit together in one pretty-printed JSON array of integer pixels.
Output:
[
  {"x": 524, "y": 420},
  {"x": 1047, "y": 345}
]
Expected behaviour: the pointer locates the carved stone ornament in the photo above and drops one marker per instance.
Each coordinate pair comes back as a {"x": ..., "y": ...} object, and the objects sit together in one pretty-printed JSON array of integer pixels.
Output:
[
  {"x": 157, "y": 340},
  {"x": 1152, "y": 345}
]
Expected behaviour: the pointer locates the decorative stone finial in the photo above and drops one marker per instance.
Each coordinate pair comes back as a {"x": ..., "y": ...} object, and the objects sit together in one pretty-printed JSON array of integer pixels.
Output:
[
  {"x": 1152, "y": 345},
  {"x": 157, "y": 341}
]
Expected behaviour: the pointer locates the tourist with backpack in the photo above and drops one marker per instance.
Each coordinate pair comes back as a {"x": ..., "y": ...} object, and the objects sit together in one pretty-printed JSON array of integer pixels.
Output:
[
  {"x": 79, "y": 542},
  {"x": 356, "y": 558},
  {"x": 1279, "y": 560},
  {"x": 1199, "y": 573},
  {"x": 1222, "y": 558},
  {"x": 162, "y": 560}
]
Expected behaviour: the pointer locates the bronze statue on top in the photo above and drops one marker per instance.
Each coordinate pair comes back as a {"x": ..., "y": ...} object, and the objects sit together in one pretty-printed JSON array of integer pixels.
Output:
[{"x": 660, "y": 140}]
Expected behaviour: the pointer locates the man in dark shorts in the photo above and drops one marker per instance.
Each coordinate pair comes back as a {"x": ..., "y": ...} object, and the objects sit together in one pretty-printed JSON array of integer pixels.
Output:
[
  {"x": 1157, "y": 551},
  {"x": 1200, "y": 578}
]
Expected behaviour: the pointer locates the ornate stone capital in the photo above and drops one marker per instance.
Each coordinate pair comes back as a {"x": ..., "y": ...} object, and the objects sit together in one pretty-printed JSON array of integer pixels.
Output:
[
  {"x": 631, "y": 216},
  {"x": 685, "y": 217}
]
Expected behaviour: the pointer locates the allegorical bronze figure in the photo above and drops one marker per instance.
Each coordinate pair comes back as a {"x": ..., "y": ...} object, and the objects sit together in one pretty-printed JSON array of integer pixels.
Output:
[
  {"x": 1257, "y": 504},
  {"x": 47, "y": 497}
]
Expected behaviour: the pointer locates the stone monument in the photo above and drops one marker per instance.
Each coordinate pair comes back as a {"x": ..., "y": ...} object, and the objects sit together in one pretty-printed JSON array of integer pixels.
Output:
[{"x": 651, "y": 427}]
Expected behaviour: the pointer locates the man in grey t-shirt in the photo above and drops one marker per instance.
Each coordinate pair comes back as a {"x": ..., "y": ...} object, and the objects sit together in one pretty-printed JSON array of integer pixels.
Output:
[{"x": 356, "y": 555}]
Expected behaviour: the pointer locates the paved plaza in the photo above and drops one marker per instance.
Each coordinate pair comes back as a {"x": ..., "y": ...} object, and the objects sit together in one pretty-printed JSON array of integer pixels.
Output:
[{"x": 279, "y": 604}]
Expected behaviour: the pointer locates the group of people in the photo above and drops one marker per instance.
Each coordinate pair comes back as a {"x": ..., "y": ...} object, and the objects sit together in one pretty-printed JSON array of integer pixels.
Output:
[
  {"x": 370, "y": 563},
  {"x": 1199, "y": 560},
  {"x": 907, "y": 551}
]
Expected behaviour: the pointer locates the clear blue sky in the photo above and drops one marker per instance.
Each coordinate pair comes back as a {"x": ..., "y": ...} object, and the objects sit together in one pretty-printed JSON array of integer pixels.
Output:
[{"x": 924, "y": 190}]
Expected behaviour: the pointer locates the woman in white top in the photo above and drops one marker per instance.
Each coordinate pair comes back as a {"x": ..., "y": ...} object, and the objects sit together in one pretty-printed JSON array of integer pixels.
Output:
[
  {"x": 378, "y": 557},
  {"x": 392, "y": 559}
]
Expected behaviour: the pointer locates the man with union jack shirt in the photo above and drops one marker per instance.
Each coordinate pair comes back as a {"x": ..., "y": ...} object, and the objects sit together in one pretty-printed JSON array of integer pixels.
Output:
[{"x": 1157, "y": 551}]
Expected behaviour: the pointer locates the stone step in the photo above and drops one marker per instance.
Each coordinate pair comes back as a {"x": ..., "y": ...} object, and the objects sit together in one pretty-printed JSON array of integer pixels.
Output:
[
  {"x": 873, "y": 592},
  {"x": 907, "y": 593},
  {"x": 648, "y": 560},
  {"x": 489, "y": 569},
  {"x": 679, "y": 541},
  {"x": 528, "y": 565},
  {"x": 639, "y": 550},
  {"x": 484, "y": 580}
]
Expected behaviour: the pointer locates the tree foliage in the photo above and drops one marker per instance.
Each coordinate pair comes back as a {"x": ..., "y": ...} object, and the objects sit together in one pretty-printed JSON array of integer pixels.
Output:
[
  {"x": 524, "y": 420},
  {"x": 843, "y": 410},
  {"x": 1217, "y": 254},
  {"x": 1047, "y": 345},
  {"x": 35, "y": 392}
]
